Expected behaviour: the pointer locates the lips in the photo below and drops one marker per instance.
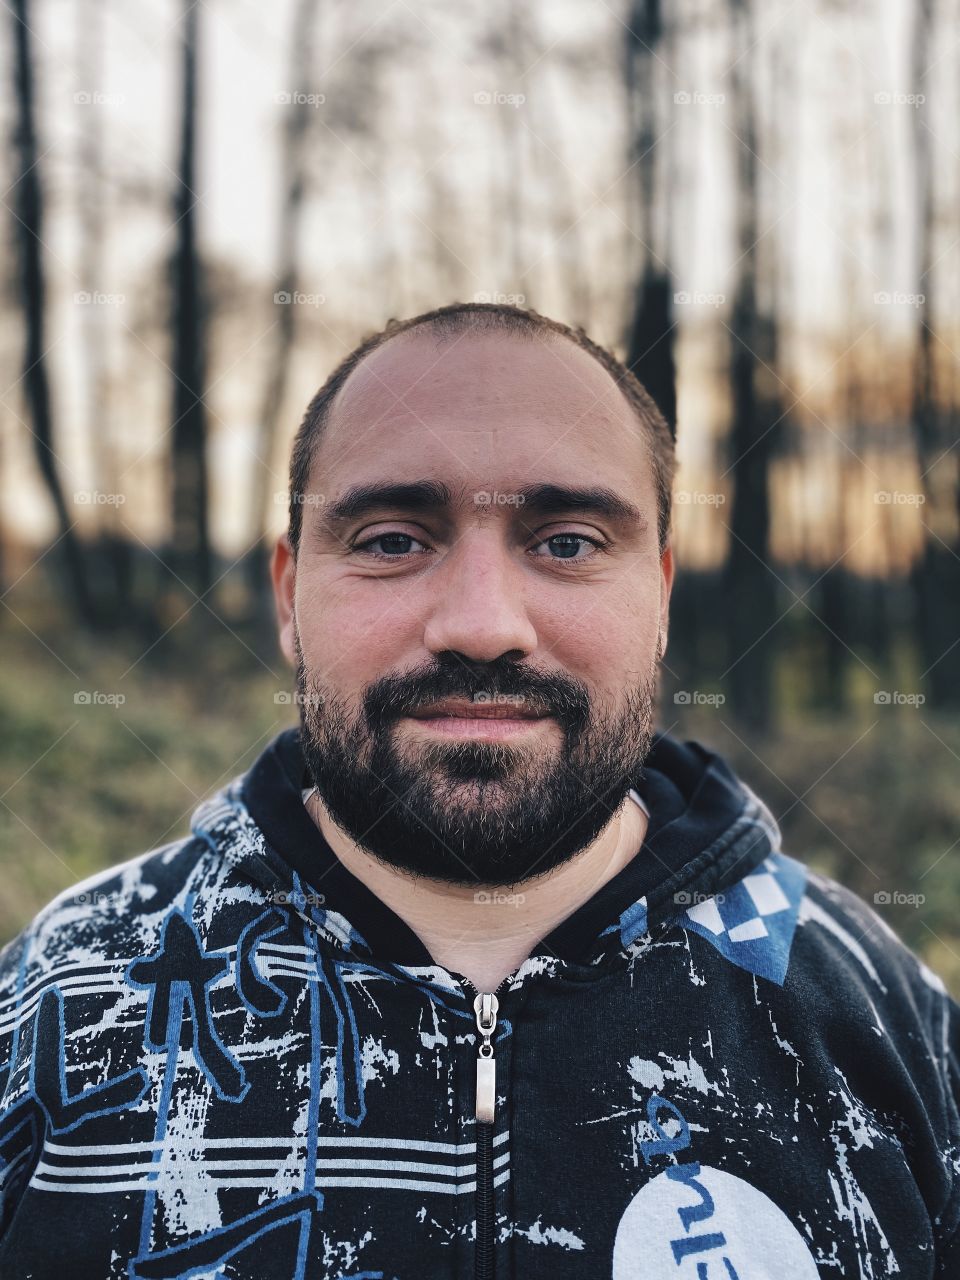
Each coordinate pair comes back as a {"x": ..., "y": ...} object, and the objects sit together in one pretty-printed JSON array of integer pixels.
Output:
[{"x": 451, "y": 708}]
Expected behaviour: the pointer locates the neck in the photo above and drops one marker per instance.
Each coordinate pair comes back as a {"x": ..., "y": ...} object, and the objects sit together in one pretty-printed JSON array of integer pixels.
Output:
[{"x": 485, "y": 934}]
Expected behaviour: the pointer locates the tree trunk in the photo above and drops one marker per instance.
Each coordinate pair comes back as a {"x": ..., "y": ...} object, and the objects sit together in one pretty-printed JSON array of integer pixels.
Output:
[
  {"x": 283, "y": 336},
  {"x": 750, "y": 584},
  {"x": 190, "y": 557},
  {"x": 936, "y": 577},
  {"x": 650, "y": 334},
  {"x": 29, "y": 235},
  {"x": 113, "y": 547}
]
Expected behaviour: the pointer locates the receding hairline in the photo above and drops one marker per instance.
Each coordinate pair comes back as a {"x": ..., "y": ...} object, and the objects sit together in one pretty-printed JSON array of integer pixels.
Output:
[{"x": 447, "y": 329}]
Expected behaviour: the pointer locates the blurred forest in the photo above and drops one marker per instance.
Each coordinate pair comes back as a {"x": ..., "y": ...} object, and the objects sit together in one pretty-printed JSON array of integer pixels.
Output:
[{"x": 207, "y": 205}]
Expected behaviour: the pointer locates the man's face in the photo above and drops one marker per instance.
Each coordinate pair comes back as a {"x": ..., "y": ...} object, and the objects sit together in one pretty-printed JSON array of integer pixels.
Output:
[{"x": 492, "y": 598}]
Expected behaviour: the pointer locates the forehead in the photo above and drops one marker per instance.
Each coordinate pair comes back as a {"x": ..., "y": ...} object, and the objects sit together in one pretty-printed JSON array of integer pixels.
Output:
[{"x": 498, "y": 403}]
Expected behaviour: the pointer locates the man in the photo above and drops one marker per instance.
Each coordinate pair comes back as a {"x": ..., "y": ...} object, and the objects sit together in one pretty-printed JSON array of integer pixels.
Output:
[{"x": 475, "y": 974}]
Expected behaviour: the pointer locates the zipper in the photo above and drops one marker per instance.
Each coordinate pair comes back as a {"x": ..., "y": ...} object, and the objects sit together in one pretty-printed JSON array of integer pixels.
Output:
[{"x": 485, "y": 1007}]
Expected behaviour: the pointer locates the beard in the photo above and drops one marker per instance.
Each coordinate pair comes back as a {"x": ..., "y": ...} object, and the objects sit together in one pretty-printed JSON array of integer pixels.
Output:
[{"x": 468, "y": 812}]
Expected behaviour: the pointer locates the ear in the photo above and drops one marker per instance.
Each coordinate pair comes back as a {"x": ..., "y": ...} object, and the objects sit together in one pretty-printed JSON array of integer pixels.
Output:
[
  {"x": 666, "y": 586},
  {"x": 283, "y": 573}
]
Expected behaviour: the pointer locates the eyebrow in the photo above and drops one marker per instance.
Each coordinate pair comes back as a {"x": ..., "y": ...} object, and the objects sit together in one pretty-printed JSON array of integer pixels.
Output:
[{"x": 425, "y": 496}]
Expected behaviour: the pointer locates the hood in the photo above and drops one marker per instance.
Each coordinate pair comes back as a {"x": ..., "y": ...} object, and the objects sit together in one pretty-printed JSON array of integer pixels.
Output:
[{"x": 706, "y": 833}]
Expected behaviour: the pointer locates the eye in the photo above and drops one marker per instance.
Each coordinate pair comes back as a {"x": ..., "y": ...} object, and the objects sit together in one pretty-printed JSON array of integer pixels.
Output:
[
  {"x": 396, "y": 546},
  {"x": 388, "y": 539},
  {"x": 567, "y": 545}
]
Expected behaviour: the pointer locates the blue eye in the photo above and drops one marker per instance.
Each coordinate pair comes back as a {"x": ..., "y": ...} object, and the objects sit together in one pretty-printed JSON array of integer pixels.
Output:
[
  {"x": 385, "y": 538},
  {"x": 569, "y": 543}
]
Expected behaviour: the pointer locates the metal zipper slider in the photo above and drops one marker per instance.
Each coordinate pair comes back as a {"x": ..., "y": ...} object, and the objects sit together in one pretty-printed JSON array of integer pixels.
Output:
[{"x": 485, "y": 1007}]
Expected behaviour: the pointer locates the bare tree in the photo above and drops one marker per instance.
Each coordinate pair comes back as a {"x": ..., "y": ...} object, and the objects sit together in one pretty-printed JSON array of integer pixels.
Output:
[
  {"x": 757, "y": 412},
  {"x": 190, "y": 555},
  {"x": 293, "y": 169},
  {"x": 543, "y": 113},
  {"x": 937, "y": 575},
  {"x": 91, "y": 217},
  {"x": 507, "y": 41},
  {"x": 650, "y": 339},
  {"x": 29, "y": 235}
]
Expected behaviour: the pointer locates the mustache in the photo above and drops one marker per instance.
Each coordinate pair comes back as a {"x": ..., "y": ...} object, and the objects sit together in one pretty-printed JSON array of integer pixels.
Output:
[{"x": 393, "y": 696}]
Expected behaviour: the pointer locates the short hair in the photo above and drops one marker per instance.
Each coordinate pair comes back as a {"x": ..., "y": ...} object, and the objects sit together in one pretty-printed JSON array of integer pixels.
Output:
[{"x": 450, "y": 321}]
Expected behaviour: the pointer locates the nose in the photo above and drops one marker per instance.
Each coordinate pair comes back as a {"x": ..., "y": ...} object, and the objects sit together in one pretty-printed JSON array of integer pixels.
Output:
[{"x": 479, "y": 606}]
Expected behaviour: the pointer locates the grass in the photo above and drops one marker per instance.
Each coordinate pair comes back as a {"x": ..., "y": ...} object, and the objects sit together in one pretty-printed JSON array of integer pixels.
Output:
[{"x": 86, "y": 786}]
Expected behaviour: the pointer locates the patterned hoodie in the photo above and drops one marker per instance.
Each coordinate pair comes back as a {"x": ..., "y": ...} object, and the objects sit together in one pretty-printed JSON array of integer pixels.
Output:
[{"x": 226, "y": 1059}]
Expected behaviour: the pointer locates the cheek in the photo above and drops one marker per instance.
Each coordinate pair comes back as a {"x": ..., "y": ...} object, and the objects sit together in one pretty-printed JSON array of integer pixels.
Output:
[
  {"x": 607, "y": 640},
  {"x": 353, "y": 631}
]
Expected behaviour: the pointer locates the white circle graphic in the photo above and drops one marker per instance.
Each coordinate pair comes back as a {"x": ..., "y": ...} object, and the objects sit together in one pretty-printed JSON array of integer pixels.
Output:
[{"x": 692, "y": 1221}]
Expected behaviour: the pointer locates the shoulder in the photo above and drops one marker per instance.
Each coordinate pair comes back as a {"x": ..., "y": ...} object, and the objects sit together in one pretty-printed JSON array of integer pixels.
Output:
[
  {"x": 66, "y": 1012},
  {"x": 873, "y": 1006},
  {"x": 872, "y": 1003},
  {"x": 112, "y": 913},
  {"x": 850, "y": 944}
]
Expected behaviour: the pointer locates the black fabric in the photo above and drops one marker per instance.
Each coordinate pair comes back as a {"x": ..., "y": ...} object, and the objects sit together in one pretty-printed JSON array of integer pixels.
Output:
[{"x": 722, "y": 1065}]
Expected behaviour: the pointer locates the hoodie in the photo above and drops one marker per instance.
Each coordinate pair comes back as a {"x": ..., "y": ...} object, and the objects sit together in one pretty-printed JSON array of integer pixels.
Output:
[{"x": 226, "y": 1059}]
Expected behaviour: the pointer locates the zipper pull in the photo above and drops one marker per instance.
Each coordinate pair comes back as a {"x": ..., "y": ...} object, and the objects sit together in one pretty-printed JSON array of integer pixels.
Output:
[{"x": 485, "y": 1007}]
